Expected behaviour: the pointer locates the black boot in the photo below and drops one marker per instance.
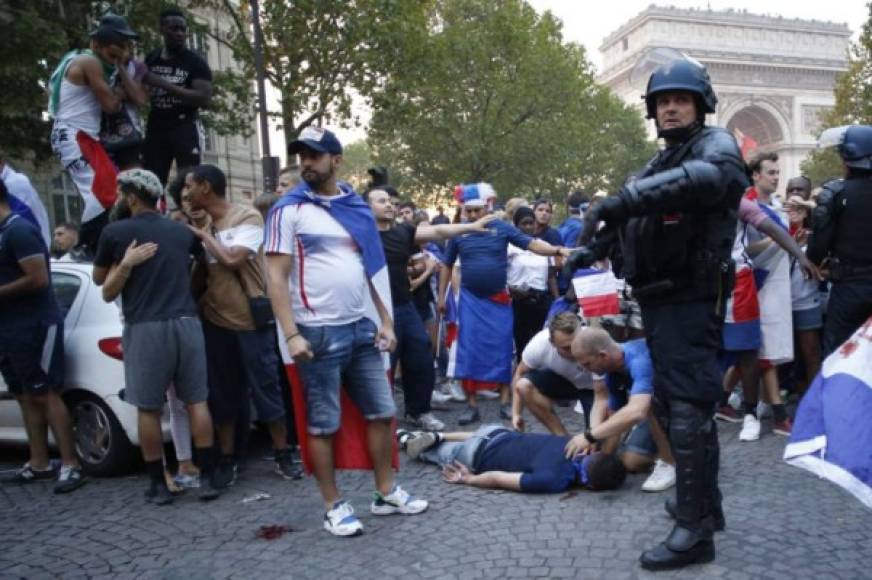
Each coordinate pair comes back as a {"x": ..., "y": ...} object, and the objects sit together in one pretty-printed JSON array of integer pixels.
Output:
[
  {"x": 718, "y": 521},
  {"x": 204, "y": 458},
  {"x": 690, "y": 540},
  {"x": 157, "y": 493}
]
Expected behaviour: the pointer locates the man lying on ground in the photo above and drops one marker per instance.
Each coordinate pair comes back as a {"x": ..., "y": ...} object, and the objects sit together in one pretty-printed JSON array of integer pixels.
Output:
[{"x": 494, "y": 457}]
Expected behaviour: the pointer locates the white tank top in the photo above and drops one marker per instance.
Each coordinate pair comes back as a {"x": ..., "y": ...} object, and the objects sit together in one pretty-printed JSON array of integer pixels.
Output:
[{"x": 78, "y": 108}]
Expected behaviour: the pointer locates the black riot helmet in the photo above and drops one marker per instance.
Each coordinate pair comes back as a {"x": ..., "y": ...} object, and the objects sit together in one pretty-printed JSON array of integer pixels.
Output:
[
  {"x": 681, "y": 74},
  {"x": 853, "y": 142}
]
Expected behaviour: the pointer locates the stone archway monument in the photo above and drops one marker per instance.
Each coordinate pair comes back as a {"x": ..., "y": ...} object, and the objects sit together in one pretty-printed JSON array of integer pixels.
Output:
[{"x": 774, "y": 76}]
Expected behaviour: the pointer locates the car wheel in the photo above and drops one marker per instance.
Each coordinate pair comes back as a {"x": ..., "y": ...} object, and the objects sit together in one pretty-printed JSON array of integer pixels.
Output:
[{"x": 101, "y": 444}]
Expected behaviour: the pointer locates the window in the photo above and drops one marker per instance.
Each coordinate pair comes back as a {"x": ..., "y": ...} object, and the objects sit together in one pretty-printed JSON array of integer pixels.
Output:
[
  {"x": 66, "y": 288},
  {"x": 200, "y": 43}
]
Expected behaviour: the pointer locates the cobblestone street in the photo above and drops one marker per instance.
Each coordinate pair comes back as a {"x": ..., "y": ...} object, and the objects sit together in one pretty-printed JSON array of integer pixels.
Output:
[{"x": 781, "y": 523}]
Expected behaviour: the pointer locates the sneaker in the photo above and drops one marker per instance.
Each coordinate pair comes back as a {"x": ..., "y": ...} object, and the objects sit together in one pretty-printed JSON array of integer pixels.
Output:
[
  {"x": 159, "y": 494},
  {"x": 750, "y": 429},
  {"x": 662, "y": 478},
  {"x": 764, "y": 411},
  {"x": 427, "y": 422},
  {"x": 439, "y": 400},
  {"x": 69, "y": 479},
  {"x": 225, "y": 473},
  {"x": 469, "y": 415},
  {"x": 457, "y": 393},
  {"x": 398, "y": 501},
  {"x": 488, "y": 395},
  {"x": 27, "y": 474},
  {"x": 506, "y": 411},
  {"x": 783, "y": 427},
  {"x": 187, "y": 481},
  {"x": 728, "y": 414},
  {"x": 341, "y": 521},
  {"x": 285, "y": 466},
  {"x": 419, "y": 442},
  {"x": 735, "y": 400}
]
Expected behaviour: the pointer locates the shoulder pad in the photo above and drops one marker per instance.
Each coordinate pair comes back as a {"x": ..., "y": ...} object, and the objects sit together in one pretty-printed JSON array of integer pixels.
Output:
[
  {"x": 832, "y": 188},
  {"x": 717, "y": 143}
]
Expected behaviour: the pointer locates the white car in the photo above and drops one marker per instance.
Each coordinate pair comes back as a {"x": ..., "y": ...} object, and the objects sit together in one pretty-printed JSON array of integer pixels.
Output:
[{"x": 104, "y": 426}]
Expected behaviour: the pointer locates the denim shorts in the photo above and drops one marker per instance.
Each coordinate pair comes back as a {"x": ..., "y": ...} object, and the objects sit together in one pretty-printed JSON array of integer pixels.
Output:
[
  {"x": 809, "y": 319},
  {"x": 344, "y": 356},
  {"x": 640, "y": 440}
]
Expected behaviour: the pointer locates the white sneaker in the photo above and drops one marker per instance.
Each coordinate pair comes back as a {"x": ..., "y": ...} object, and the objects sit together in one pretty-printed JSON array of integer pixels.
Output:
[
  {"x": 488, "y": 395},
  {"x": 661, "y": 478},
  {"x": 439, "y": 400},
  {"x": 341, "y": 521},
  {"x": 398, "y": 501},
  {"x": 750, "y": 429},
  {"x": 419, "y": 442},
  {"x": 457, "y": 393},
  {"x": 427, "y": 422},
  {"x": 764, "y": 411},
  {"x": 735, "y": 400}
]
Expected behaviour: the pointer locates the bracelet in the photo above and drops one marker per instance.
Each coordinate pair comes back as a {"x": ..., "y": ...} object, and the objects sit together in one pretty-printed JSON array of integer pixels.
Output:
[
  {"x": 287, "y": 338},
  {"x": 590, "y": 438}
]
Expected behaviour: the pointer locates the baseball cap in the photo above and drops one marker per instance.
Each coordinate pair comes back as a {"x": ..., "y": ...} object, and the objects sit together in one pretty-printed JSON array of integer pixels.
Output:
[
  {"x": 316, "y": 139},
  {"x": 116, "y": 24}
]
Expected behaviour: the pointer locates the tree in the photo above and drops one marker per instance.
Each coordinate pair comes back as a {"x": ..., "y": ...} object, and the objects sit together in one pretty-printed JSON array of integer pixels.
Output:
[
  {"x": 46, "y": 30},
  {"x": 320, "y": 54},
  {"x": 853, "y": 94},
  {"x": 356, "y": 159},
  {"x": 493, "y": 93}
]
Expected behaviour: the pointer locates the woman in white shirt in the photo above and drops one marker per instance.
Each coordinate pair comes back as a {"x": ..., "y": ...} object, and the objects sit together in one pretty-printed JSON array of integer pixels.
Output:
[{"x": 528, "y": 276}]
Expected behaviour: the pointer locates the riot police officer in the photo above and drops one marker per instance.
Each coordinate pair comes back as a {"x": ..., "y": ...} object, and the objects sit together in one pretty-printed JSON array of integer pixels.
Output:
[
  {"x": 670, "y": 229},
  {"x": 840, "y": 241}
]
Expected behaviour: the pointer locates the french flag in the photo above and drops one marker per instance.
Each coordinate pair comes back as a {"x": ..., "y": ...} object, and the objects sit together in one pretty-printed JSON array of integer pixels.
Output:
[
  {"x": 596, "y": 292},
  {"x": 832, "y": 433}
]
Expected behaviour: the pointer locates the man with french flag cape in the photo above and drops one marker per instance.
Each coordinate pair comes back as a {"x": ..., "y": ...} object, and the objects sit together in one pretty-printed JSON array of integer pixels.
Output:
[{"x": 330, "y": 292}]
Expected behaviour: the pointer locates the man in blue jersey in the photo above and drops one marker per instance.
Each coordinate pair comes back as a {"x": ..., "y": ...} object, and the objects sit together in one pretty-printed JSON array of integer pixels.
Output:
[
  {"x": 483, "y": 351},
  {"x": 494, "y": 457},
  {"x": 628, "y": 377}
]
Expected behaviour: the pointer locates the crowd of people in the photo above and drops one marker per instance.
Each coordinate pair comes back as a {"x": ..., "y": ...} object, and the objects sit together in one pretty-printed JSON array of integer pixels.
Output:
[{"x": 721, "y": 291}]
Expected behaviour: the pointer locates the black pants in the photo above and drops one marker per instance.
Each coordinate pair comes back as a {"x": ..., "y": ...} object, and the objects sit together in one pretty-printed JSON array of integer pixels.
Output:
[
  {"x": 180, "y": 142},
  {"x": 415, "y": 357},
  {"x": 849, "y": 306},
  {"x": 89, "y": 234},
  {"x": 529, "y": 314},
  {"x": 684, "y": 340}
]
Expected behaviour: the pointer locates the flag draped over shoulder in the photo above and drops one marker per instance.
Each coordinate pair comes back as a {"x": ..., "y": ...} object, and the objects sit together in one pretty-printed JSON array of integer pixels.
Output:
[
  {"x": 353, "y": 214},
  {"x": 596, "y": 292},
  {"x": 832, "y": 433}
]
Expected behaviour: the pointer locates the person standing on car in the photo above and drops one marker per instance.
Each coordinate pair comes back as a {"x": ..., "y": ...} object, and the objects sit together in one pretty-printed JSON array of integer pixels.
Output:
[
  {"x": 181, "y": 84},
  {"x": 146, "y": 260},
  {"x": 32, "y": 348}
]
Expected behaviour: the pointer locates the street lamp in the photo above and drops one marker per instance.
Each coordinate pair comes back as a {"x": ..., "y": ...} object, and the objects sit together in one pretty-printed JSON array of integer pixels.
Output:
[{"x": 270, "y": 164}]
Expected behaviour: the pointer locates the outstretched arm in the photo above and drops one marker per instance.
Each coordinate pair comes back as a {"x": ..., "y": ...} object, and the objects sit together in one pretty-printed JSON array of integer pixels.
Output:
[
  {"x": 428, "y": 233},
  {"x": 458, "y": 473}
]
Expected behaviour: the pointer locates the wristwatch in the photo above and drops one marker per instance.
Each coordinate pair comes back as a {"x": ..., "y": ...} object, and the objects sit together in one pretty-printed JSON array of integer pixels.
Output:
[{"x": 590, "y": 438}]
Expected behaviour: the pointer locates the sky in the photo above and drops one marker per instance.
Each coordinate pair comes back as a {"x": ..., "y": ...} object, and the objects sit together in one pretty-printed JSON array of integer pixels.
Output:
[{"x": 589, "y": 22}]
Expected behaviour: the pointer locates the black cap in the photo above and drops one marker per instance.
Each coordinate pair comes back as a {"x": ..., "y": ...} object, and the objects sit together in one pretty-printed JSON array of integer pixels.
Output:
[{"x": 116, "y": 24}]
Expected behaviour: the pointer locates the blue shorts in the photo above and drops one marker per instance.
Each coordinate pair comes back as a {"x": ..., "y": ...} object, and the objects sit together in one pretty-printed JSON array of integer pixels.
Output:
[
  {"x": 344, "y": 356},
  {"x": 640, "y": 440},
  {"x": 809, "y": 319},
  {"x": 32, "y": 358}
]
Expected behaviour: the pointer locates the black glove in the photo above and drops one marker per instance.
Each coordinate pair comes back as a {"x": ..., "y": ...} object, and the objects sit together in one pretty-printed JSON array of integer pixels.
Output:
[{"x": 583, "y": 257}]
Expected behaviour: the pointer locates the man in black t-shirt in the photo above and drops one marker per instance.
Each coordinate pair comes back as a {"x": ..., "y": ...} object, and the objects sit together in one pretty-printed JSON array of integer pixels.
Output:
[
  {"x": 146, "y": 260},
  {"x": 181, "y": 84},
  {"x": 413, "y": 350},
  {"x": 32, "y": 348}
]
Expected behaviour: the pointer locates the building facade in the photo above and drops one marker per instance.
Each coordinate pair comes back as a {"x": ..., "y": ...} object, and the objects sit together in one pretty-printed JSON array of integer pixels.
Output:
[{"x": 773, "y": 76}]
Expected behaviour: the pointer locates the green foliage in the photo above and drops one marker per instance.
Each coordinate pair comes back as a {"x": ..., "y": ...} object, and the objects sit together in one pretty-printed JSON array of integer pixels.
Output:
[
  {"x": 853, "y": 94},
  {"x": 493, "y": 93},
  {"x": 46, "y": 29},
  {"x": 356, "y": 160}
]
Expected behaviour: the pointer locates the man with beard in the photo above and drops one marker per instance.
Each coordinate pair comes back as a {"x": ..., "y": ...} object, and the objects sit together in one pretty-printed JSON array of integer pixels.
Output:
[
  {"x": 146, "y": 260},
  {"x": 181, "y": 84},
  {"x": 328, "y": 283},
  {"x": 677, "y": 222}
]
